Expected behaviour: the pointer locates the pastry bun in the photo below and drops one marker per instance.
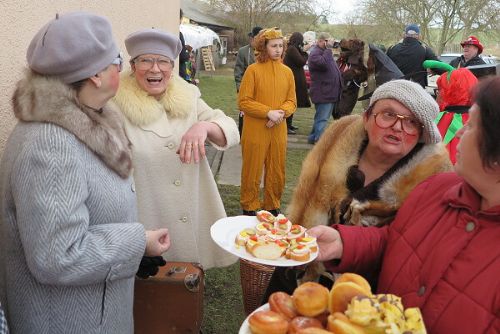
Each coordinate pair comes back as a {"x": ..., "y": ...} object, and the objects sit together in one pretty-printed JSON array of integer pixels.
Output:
[
  {"x": 310, "y": 299},
  {"x": 341, "y": 295},
  {"x": 313, "y": 330},
  {"x": 282, "y": 303},
  {"x": 300, "y": 323},
  {"x": 339, "y": 323},
  {"x": 355, "y": 278},
  {"x": 267, "y": 322}
]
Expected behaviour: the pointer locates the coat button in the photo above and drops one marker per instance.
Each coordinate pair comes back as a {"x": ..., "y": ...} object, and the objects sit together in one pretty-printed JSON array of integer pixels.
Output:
[
  {"x": 470, "y": 226},
  {"x": 170, "y": 145},
  {"x": 421, "y": 290},
  {"x": 184, "y": 219},
  {"x": 177, "y": 182},
  {"x": 132, "y": 186}
]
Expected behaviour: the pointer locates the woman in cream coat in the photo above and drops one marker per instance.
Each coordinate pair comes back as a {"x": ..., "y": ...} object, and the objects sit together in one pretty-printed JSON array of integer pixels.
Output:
[{"x": 168, "y": 124}]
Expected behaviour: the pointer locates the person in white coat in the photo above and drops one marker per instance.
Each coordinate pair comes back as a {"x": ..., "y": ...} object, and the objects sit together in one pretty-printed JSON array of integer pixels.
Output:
[{"x": 168, "y": 124}]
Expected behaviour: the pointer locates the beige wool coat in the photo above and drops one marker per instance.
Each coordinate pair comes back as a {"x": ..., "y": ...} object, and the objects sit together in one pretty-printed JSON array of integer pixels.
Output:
[{"x": 182, "y": 197}]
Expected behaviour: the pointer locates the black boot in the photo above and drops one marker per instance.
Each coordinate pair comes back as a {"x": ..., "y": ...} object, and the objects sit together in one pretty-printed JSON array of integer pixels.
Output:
[{"x": 249, "y": 213}]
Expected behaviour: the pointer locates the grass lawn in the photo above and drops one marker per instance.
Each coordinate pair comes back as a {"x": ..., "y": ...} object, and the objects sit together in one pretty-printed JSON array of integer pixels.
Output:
[{"x": 223, "y": 298}]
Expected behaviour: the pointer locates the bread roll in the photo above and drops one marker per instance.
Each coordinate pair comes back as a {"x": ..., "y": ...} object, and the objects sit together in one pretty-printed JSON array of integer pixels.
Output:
[
  {"x": 313, "y": 330},
  {"x": 340, "y": 324},
  {"x": 267, "y": 322},
  {"x": 310, "y": 299},
  {"x": 282, "y": 303},
  {"x": 265, "y": 216},
  {"x": 300, "y": 323},
  {"x": 267, "y": 250},
  {"x": 355, "y": 278},
  {"x": 342, "y": 293}
]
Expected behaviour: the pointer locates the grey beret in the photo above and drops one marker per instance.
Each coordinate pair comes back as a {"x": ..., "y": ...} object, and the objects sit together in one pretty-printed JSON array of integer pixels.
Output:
[
  {"x": 417, "y": 100},
  {"x": 153, "y": 41},
  {"x": 73, "y": 47}
]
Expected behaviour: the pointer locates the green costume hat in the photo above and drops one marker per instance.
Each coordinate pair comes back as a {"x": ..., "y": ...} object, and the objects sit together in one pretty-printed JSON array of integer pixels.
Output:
[{"x": 440, "y": 66}]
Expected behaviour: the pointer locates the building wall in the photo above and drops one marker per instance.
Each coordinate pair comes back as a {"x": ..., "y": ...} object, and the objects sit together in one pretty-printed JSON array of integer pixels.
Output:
[{"x": 21, "y": 19}]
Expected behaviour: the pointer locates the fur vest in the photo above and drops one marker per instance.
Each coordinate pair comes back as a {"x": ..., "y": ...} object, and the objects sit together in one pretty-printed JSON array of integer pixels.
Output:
[
  {"x": 322, "y": 193},
  {"x": 44, "y": 99},
  {"x": 143, "y": 109}
]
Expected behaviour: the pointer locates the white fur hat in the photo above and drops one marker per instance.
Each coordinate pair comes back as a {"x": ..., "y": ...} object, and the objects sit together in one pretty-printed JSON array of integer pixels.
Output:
[{"x": 415, "y": 98}]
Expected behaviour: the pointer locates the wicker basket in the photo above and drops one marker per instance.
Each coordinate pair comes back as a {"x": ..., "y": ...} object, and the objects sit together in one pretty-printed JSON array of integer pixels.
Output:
[{"x": 254, "y": 280}]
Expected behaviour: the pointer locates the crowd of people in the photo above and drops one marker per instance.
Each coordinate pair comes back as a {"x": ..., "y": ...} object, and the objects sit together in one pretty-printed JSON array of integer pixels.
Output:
[{"x": 105, "y": 175}]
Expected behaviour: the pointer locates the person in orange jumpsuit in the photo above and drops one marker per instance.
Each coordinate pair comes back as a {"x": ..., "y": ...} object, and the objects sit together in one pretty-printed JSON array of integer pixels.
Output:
[{"x": 267, "y": 97}]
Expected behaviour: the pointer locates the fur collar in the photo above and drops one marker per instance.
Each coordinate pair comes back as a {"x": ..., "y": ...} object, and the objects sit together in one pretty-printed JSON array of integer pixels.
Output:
[
  {"x": 142, "y": 109},
  {"x": 43, "y": 99},
  {"x": 322, "y": 189}
]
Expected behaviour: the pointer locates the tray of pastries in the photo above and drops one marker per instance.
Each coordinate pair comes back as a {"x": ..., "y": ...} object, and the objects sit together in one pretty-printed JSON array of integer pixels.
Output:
[{"x": 348, "y": 308}]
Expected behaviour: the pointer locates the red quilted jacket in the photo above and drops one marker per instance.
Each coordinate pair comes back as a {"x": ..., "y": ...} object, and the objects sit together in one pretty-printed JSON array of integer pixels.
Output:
[{"x": 441, "y": 253}]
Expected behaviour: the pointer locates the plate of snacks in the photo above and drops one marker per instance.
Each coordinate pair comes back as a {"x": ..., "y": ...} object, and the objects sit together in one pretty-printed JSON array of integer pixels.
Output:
[
  {"x": 265, "y": 239},
  {"x": 349, "y": 307}
]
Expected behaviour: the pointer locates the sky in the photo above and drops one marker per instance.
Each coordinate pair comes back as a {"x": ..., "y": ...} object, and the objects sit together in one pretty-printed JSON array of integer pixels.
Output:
[{"x": 341, "y": 8}]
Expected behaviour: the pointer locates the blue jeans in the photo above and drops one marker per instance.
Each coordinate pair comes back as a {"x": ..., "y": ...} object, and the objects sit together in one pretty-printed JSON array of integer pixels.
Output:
[{"x": 323, "y": 113}]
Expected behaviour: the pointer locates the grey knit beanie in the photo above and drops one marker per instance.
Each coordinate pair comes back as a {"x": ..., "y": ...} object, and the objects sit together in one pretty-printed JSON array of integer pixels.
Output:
[
  {"x": 417, "y": 100},
  {"x": 73, "y": 47},
  {"x": 153, "y": 41}
]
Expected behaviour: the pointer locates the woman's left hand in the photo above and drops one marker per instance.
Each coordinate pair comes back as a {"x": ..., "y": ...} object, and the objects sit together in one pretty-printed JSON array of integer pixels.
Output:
[{"x": 193, "y": 143}]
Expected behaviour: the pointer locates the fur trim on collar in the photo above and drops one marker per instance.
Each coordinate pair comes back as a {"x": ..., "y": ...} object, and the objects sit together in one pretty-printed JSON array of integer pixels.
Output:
[
  {"x": 142, "y": 109},
  {"x": 322, "y": 189},
  {"x": 43, "y": 99}
]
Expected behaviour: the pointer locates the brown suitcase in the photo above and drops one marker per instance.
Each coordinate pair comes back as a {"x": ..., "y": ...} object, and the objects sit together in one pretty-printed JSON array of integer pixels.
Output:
[{"x": 171, "y": 301}]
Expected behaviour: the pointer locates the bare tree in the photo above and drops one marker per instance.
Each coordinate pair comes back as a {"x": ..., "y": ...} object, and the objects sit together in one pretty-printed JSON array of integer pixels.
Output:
[
  {"x": 289, "y": 15},
  {"x": 450, "y": 17}
]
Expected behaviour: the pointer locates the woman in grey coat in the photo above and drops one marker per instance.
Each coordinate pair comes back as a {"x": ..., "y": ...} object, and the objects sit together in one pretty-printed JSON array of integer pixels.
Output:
[{"x": 71, "y": 242}]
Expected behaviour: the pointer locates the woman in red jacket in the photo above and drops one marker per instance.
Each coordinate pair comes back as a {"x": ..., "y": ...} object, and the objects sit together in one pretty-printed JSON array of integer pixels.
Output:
[{"x": 441, "y": 252}]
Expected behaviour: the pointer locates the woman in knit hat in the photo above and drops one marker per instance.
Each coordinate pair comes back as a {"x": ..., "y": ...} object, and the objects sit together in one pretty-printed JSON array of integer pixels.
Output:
[
  {"x": 169, "y": 125},
  {"x": 363, "y": 167},
  {"x": 441, "y": 251},
  {"x": 267, "y": 97},
  {"x": 472, "y": 48},
  {"x": 72, "y": 243}
]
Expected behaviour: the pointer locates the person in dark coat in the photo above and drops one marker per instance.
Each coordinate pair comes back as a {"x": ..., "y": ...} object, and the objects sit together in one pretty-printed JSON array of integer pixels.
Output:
[
  {"x": 326, "y": 84},
  {"x": 410, "y": 54},
  {"x": 296, "y": 58},
  {"x": 354, "y": 75},
  {"x": 245, "y": 58},
  {"x": 184, "y": 55},
  {"x": 472, "y": 48}
]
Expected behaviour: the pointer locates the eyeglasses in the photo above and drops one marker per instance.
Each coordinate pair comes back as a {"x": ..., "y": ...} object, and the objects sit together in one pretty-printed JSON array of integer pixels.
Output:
[
  {"x": 387, "y": 119},
  {"x": 144, "y": 64},
  {"x": 118, "y": 61}
]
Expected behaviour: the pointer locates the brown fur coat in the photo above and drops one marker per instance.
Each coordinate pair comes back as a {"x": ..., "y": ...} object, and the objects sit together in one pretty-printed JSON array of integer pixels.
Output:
[
  {"x": 322, "y": 188},
  {"x": 44, "y": 99}
]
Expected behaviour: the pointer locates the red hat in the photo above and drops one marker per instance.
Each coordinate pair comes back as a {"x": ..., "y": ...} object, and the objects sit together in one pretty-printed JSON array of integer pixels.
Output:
[{"x": 472, "y": 40}]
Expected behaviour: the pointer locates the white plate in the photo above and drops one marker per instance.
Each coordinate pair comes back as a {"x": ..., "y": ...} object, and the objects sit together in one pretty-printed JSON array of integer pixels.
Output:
[
  {"x": 245, "y": 328},
  {"x": 224, "y": 233}
]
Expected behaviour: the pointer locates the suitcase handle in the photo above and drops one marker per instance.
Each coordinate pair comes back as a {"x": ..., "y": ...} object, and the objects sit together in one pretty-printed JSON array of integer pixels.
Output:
[{"x": 192, "y": 282}]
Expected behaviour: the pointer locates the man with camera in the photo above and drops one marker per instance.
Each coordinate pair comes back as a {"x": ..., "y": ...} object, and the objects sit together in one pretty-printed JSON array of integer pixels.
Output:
[{"x": 326, "y": 84}]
